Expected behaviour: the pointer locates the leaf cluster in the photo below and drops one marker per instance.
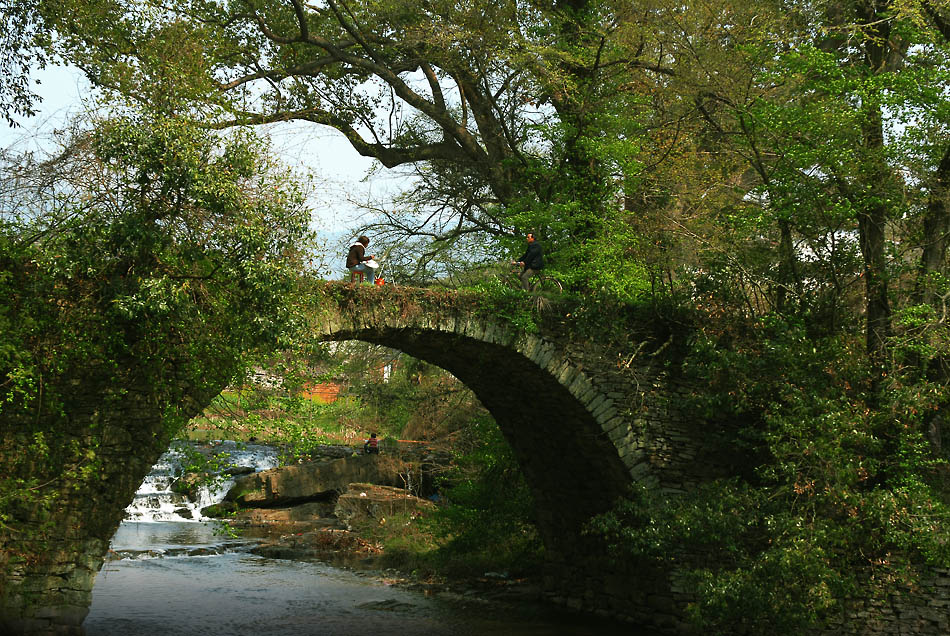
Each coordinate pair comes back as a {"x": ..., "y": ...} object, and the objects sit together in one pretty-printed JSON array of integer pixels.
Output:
[
  {"x": 838, "y": 493},
  {"x": 157, "y": 260}
]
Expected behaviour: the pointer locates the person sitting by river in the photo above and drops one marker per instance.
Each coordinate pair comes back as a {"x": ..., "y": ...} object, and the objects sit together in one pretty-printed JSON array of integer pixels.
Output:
[
  {"x": 371, "y": 446},
  {"x": 357, "y": 260}
]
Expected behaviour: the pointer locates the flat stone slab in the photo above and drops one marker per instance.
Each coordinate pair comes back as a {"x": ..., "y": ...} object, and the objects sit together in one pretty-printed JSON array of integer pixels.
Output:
[
  {"x": 289, "y": 485},
  {"x": 371, "y": 501}
]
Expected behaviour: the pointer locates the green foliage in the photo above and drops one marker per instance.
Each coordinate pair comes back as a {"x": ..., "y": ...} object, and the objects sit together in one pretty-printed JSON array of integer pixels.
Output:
[
  {"x": 487, "y": 522},
  {"x": 25, "y": 43},
  {"x": 293, "y": 422},
  {"x": 777, "y": 186},
  {"x": 838, "y": 493},
  {"x": 164, "y": 258},
  {"x": 752, "y": 570},
  {"x": 506, "y": 302},
  {"x": 179, "y": 236}
]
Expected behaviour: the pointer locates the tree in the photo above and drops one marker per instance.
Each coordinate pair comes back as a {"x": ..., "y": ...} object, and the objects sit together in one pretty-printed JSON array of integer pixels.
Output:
[
  {"x": 836, "y": 116},
  {"x": 512, "y": 110},
  {"x": 24, "y": 43},
  {"x": 140, "y": 269}
]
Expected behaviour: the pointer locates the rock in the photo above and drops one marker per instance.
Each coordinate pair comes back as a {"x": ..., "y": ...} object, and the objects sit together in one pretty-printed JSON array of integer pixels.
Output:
[
  {"x": 306, "y": 482},
  {"x": 322, "y": 544},
  {"x": 235, "y": 471},
  {"x": 222, "y": 509},
  {"x": 184, "y": 513},
  {"x": 332, "y": 451},
  {"x": 307, "y": 512},
  {"x": 368, "y": 501}
]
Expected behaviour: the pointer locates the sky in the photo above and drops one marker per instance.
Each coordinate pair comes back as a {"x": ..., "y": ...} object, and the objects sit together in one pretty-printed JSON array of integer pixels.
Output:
[{"x": 341, "y": 175}]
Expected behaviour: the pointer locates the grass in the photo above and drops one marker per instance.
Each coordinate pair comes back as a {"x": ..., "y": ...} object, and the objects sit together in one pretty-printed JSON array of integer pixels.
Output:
[
  {"x": 417, "y": 544},
  {"x": 296, "y": 424}
]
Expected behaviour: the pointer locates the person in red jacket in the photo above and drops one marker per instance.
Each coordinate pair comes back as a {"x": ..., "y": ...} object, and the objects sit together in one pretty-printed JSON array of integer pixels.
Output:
[
  {"x": 371, "y": 446},
  {"x": 358, "y": 261}
]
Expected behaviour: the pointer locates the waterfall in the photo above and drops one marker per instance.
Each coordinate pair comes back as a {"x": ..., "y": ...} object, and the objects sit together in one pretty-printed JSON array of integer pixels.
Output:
[{"x": 156, "y": 501}]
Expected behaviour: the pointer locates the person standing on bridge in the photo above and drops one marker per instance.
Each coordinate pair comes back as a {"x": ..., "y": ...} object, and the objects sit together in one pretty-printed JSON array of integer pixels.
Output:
[
  {"x": 358, "y": 261},
  {"x": 532, "y": 261}
]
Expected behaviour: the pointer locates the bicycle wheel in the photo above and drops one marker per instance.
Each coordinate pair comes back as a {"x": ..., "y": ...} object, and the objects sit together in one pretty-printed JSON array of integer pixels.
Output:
[{"x": 548, "y": 285}]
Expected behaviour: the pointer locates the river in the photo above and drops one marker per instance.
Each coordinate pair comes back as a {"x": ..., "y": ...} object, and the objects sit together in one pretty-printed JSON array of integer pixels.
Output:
[{"x": 171, "y": 576}]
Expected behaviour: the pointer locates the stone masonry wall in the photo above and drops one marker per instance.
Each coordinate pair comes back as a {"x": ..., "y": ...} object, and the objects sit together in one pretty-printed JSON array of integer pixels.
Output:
[
  {"x": 922, "y": 609},
  {"x": 103, "y": 439}
]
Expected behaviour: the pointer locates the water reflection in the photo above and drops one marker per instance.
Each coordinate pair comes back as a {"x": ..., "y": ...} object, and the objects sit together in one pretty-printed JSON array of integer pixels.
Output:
[
  {"x": 241, "y": 594},
  {"x": 143, "y": 536},
  {"x": 160, "y": 589}
]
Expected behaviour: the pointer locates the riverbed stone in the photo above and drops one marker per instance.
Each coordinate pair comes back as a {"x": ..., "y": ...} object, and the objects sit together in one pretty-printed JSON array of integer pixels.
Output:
[
  {"x": 308, "y": 481},
  {"x": 363, "y": 502},
  {"x": 304, "y": 513}
]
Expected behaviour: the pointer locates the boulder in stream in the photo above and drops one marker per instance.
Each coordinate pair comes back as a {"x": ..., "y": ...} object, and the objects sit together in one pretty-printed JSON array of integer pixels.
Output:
[
  {"x": 298, "y": 483},
  {"x": 370, "y": 501}
]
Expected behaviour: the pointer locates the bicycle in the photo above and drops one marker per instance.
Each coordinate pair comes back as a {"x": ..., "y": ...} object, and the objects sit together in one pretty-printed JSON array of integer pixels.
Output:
[{"x": 544, "y": 287}]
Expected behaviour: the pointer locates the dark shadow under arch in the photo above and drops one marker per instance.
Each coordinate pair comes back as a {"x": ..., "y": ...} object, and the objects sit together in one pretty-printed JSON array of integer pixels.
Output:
[{"x": 571, "y": 465}]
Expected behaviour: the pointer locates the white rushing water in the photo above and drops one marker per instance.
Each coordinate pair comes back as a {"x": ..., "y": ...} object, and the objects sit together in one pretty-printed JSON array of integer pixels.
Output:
[{"x": 155, "y": 500}]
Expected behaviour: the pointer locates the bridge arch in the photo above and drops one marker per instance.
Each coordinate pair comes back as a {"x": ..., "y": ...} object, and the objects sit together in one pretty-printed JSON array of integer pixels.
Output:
[
  {"x": 571, "y": 435},
  {"x": 584, "y": 423}
]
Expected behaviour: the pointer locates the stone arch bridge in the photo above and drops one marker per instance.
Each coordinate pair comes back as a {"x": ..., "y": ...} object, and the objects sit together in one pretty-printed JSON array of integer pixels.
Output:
[{"x": 584, "y": 423}]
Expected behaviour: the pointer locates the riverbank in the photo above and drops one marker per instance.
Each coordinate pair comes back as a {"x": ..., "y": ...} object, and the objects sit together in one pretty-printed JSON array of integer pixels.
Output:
[
  {"x": 349, "y": 550},
  {"x": 313, "y": 511}
]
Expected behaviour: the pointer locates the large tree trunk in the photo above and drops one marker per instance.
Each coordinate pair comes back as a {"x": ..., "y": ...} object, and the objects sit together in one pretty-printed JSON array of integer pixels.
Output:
[
  {"x": 872, "y": 211},
  {"x": 936, "y": 227},
  {"x": 872, "y": 221}
]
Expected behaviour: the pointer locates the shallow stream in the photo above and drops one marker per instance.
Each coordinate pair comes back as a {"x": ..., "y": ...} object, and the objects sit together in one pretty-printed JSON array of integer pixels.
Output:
[{"x": 176, "y": 577}]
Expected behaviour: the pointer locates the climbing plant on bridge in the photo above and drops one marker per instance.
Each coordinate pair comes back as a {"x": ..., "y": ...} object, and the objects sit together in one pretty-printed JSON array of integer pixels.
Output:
[{"x": 149, "y": 255}]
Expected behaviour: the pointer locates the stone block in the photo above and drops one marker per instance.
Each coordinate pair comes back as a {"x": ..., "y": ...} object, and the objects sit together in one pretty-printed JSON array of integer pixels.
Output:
[
  {"x": 368, "y": 501},
  {"x": 303, "y": 482},
  {"x": 587, "y": 395},
  {"x": 616, "y": 434},
  {"x": 595, "y": 402},
  {"x": 580, "y": 385},
  {"x": 530, "y": 348},
  {"x": 574, "y": 603},
  {"x": 605, "y": 413},
  {"x": 639, "y": 470},
  {"x": 567, "y": 375}
]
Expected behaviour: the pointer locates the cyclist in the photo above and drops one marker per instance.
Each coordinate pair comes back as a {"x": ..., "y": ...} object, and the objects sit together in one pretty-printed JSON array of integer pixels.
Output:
[{"x": 531, "y": 262}]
